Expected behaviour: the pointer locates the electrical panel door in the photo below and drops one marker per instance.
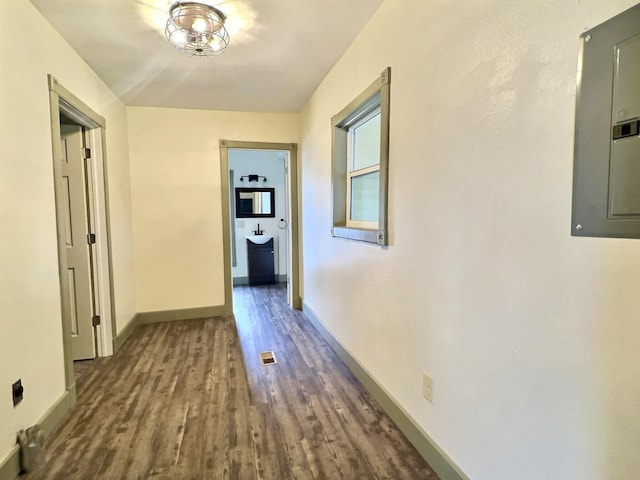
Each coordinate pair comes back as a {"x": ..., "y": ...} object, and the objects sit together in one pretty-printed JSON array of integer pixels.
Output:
[{"x": 606, "y": 190}]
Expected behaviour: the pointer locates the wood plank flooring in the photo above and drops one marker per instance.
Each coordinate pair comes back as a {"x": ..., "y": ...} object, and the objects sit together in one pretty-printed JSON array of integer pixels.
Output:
[{"x": 190, "y": 400}]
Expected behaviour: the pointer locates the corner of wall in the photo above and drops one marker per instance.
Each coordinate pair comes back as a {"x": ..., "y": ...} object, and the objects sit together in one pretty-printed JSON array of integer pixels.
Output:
[
  {"x": 126, "y": 332},
  {"x": 10, "y": 466}
]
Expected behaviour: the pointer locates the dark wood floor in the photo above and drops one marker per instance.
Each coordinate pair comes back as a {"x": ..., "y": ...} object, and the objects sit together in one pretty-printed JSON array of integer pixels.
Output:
[{"x": 190, "y": 400}]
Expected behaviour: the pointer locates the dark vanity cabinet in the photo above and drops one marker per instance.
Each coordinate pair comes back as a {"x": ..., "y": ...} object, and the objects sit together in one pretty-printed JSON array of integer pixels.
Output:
[{"x": 261, "y": 263}]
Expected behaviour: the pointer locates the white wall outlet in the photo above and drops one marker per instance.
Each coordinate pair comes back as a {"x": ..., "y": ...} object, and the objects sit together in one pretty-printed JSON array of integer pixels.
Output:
[{"x": 427, "y": 387}]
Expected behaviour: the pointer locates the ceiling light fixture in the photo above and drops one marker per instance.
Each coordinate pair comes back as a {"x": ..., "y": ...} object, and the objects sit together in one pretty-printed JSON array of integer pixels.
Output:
[{"x": 197, "y": 29}]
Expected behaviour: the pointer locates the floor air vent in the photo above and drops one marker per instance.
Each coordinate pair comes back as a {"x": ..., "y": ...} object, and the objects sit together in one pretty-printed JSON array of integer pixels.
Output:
[{"x": 267, "y": 358}]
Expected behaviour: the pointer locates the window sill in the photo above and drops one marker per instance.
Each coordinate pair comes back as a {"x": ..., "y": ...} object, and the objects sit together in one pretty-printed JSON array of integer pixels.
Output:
[{"x": 370, "y": 236}]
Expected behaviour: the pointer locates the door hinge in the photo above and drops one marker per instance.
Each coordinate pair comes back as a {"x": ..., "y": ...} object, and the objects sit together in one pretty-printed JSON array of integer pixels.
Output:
[
  {"x": 91, "y": 238},
  {"x": 95, "y": 321},
  {"x": 87, "y": 153}
]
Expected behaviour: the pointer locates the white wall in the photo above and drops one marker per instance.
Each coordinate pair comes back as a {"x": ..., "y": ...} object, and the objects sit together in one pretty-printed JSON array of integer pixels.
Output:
[
  {"x": 30, "y": 327},
  {"x": 530, "y": 335},
  {"x": 175, "y": 178},
  {"x": 268, "y": 163}
]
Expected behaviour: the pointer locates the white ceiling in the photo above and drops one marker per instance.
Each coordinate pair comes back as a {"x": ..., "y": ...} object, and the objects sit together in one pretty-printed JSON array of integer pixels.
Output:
[{"x": 280, "y": 50}]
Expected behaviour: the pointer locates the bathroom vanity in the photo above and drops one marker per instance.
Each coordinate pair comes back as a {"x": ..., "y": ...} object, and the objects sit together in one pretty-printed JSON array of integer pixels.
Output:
[{"x": 261, "y": 264}]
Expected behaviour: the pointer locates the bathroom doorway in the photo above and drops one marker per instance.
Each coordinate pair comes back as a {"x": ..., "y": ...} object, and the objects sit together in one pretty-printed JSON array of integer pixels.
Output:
[{"x": 260, "y": 209}]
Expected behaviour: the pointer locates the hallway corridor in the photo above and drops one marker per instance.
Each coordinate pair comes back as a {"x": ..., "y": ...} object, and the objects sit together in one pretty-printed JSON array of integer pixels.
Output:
[{"x": 190, "y": 400}]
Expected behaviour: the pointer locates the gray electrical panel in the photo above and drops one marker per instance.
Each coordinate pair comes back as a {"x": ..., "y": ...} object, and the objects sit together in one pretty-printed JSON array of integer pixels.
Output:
[{"x": 606, "y": 175}]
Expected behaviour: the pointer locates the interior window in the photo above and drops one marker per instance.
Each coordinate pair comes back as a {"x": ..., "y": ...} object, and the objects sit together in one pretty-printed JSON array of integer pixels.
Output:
[
  {"x": 363, "y": 176},
  {"x": 360, "y": 163}
]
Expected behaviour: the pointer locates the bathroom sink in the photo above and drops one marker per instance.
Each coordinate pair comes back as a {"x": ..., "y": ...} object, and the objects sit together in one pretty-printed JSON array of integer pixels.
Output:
[{"x": 259, "y": 239}]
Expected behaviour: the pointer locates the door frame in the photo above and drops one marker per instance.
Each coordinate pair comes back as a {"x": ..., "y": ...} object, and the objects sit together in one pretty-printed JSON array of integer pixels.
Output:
[
  {"x": 294, "y": 261},
  {"x": 62, "y": 100}
]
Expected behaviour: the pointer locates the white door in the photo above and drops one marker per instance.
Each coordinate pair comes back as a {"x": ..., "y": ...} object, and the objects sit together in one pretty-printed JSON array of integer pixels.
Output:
[{"x": 77, "y": 241}]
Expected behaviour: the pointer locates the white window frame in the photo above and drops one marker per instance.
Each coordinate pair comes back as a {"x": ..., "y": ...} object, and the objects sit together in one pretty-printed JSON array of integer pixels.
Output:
[
  {"x": 374, "y": 98},
  {"x": 354, "y": 173}
]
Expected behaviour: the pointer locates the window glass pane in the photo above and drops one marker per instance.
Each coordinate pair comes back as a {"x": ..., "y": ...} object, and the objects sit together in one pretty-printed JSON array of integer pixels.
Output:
[
  {"x": 365, "y": 194},
  {"x": 366, "y": 143}
]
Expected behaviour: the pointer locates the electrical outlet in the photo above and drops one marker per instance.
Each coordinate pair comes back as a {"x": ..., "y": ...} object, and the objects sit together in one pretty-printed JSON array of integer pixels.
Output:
[
  {"x": 17, "y": 391},
  {"x": 427, "y": 387}
]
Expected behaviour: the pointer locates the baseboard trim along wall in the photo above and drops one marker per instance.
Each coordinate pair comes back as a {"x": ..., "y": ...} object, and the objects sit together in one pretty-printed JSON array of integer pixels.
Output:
[
  {"x": 126, "y": 332},
  {"x": 426, "y": 446},
  {"x": 10, "y": 466},
  {"x": 168, "y": 316},
  {"x": 183, "y": 314}
]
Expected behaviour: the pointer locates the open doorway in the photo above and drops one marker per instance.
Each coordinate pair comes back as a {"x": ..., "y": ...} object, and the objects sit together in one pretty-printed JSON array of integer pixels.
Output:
[
  {"x": 86, "y": 283},
  {"x": 272, "y": 220},
  {"x": 258, "y": 202}
]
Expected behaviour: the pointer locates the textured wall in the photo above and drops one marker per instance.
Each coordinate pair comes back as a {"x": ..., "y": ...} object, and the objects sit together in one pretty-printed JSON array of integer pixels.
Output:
[
  {"x": 30, "y": 326},
  {"x": 527, "y": 332}
]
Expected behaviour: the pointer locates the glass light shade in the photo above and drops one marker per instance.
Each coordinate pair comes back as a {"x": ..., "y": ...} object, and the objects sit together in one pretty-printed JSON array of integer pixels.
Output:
[{"x": 197, "y": 29}]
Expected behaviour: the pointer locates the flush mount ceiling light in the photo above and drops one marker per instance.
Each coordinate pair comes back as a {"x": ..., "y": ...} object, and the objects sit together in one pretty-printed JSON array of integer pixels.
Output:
[{"x": 197, "y": 29}]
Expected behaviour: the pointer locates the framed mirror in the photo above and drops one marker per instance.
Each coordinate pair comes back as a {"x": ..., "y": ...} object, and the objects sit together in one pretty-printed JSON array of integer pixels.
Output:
[{"x": 255, "y": 202}]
